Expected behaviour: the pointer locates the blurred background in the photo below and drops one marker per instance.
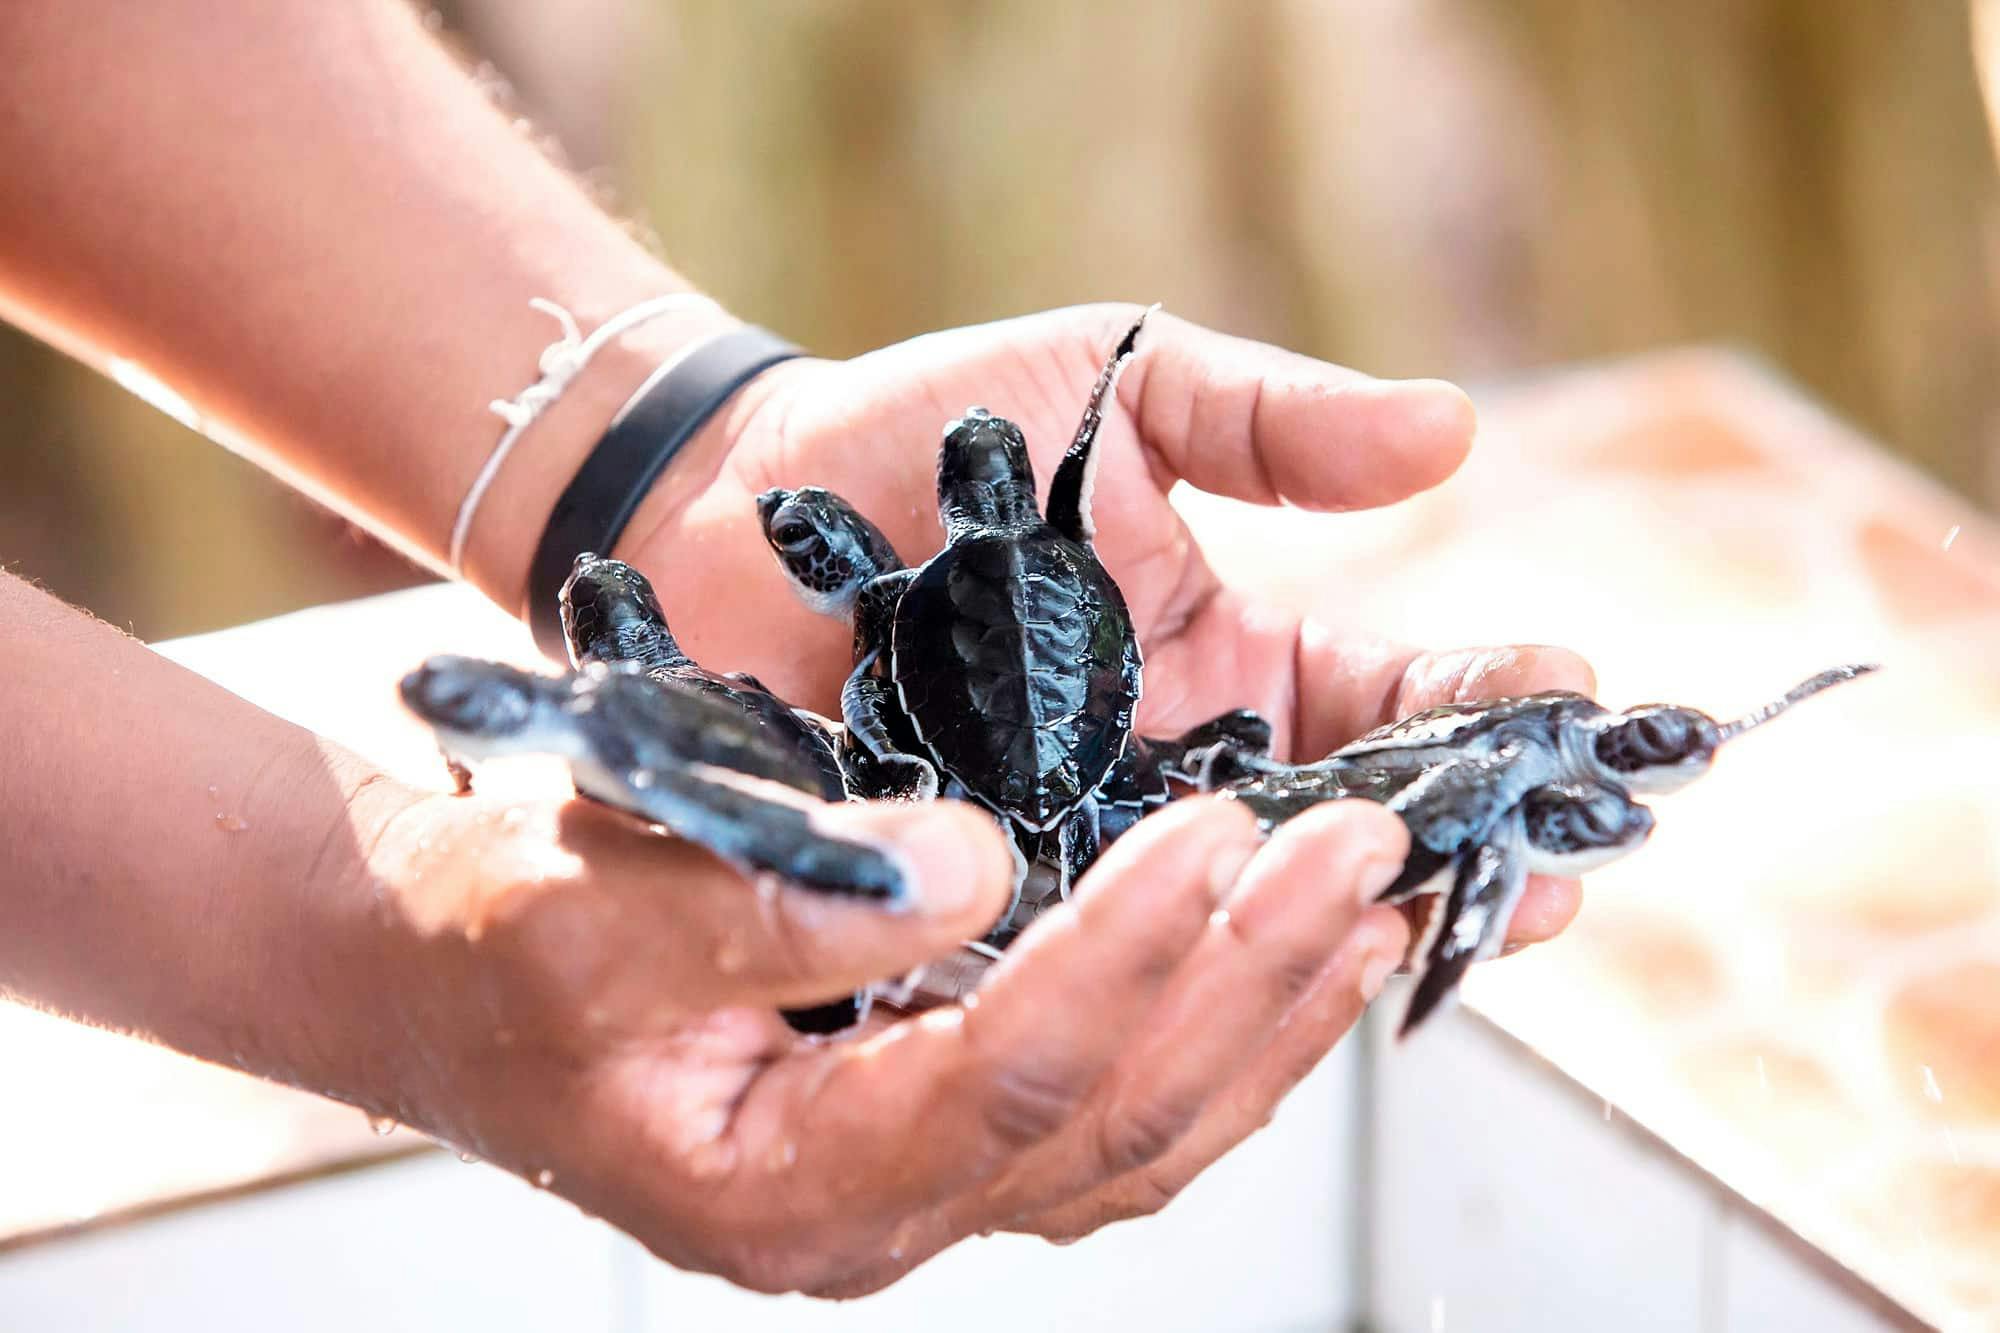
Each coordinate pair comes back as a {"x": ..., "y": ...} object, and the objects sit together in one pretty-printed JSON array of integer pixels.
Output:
[{"x": 1416, "y": 187}]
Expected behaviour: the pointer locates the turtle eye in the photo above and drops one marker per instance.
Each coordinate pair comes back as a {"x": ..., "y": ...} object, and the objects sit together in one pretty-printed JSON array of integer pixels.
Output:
[{"x": 794, "y": 535}]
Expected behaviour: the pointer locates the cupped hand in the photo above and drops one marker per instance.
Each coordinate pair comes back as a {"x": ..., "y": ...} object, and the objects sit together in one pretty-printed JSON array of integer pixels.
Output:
[
  {"x": 1226, "y": 415},
  {"x": 593, "y": 1008}
]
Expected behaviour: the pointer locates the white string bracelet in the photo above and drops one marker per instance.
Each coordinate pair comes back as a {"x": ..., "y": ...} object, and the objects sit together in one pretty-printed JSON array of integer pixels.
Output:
[{"x": 560, "y": 363}]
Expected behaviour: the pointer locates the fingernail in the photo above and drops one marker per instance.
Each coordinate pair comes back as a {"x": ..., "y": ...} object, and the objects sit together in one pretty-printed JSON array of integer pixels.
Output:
[
  {"x": 1376, "y": 875},
  {"x": 1375, "y": 974}
]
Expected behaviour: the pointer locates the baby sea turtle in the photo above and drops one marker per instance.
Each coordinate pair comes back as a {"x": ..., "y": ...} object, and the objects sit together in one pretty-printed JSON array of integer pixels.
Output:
[
  {"x": 829, "y": 553},
  {"x": 612, "y": 618},
  {"x": 1492, "y": 792},
  {"x": 1011, "y": 664},
  {"x": 1007, "y": 661},
  {"x": 611, "y": 615},
  {"x": 669, "y": 758}
]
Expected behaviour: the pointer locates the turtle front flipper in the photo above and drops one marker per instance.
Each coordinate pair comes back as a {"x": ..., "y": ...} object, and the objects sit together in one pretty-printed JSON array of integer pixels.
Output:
[
  {"x": 1076, "y": 475},
  {"x": 1456, "y": 803},
  {"x": 1469, "y": 924},
  {"x": 1078, "y": 844},
  {"x": 1244, "y": 730},
  {"x": 877, "y": 766},
  {"x": 704, "y": 806}
]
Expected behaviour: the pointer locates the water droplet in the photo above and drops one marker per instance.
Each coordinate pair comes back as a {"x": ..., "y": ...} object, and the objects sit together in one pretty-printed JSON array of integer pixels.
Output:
[
  {"x": 896, "y": 1253},
  {"x": 468, "y": 1159},
  {"x": 1931, "y": 1088},
  {"x": 643, "y": 779},
  {"x": 232, "y": 823},
  {"x": 1950, "y": 537},
  {"x": 545, "y": 1178},
  {"x": 970, "y": 1001},
  {"x": 1219, "y": 917},
  {"x": 211, "y": 789},
  {"x": 383, "y": 1125}
]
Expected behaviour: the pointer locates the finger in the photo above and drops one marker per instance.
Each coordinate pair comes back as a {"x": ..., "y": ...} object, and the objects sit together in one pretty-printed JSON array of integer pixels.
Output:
[
  {"x": 1467, "y": 674},
  {"x": 663, "y": 918},
  {"x": 940, "y": 1103},
  {"x": 1271, "y": 940},
  {"x": 1252, "y": 421},
  {"x": 1309, "y": 1030}
]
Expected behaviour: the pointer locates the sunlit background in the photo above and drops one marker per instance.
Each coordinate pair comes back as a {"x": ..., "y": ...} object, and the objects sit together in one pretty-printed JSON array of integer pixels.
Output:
[{"x": 1420, "y": 187}]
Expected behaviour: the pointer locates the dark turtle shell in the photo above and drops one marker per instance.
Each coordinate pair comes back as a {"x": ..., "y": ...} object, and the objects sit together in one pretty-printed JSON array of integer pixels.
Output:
[{"x": 1016, "y": 660}]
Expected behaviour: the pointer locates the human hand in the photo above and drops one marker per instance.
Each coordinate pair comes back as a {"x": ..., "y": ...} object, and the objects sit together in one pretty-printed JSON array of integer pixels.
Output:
[
  {"x": 1224, "y": 414},
  {"x": 594, "y": 1009}
]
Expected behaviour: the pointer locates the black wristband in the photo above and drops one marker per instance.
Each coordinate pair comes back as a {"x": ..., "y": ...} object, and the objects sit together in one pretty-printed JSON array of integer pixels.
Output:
[{"x": 661, "y": 418}]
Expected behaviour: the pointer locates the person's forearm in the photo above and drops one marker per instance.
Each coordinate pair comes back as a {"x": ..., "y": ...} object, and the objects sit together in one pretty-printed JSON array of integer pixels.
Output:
[
  {"x": 313, "y": 224},
  {"x": 174, "y": 861}
]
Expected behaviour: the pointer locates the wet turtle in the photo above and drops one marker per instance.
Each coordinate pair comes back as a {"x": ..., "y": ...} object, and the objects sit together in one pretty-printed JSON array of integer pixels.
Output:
[
  {"x": 1492, "y": 792},
  {"x": 611, "y": 617},
  {"x": 829, "y": 552},
  {"x": 1007, "y": 662},
  {"x": 672, "y": 759}
]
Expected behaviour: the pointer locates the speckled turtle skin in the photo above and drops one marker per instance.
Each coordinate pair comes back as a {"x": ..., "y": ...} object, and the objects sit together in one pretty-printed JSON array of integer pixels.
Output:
[
  {"x": 661, "y": 756},
  {"x": 1492, "y": 792}
]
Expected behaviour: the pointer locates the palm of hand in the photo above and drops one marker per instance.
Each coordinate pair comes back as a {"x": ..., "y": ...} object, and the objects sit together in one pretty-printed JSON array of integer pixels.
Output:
[
  {"x": 1228, "y": 416},
  {"x": 1050, "y": 1149}
]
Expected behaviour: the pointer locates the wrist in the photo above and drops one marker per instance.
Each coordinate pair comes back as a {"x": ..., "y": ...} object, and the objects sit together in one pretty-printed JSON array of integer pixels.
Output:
[
  {"x": 666, "y": 507},
  {"x": 510, "y": 518},
  {"x": 333, "y": 981}
]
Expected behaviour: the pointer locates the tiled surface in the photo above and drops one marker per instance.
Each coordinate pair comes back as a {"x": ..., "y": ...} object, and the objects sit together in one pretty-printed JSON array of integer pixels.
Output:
[{"x": 1797, "y": 984}]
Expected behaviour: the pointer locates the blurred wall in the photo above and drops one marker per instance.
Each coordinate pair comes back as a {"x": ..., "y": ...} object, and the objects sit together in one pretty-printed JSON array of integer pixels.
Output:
[{"x": 1414, "y": 186}]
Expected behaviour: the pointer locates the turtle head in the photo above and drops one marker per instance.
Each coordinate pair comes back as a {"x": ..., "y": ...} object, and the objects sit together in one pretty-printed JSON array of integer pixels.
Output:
[
  {"x": 825, "y": 547},
  {"x": 1575, "y": 828},
  {"x": 611, "y": 614},
  {"x": 1657, "y": 747},
  {"x": 1663, "y": 747},
  {"x": 984, "y": 477},
  {"x": 472, "y": 704}
]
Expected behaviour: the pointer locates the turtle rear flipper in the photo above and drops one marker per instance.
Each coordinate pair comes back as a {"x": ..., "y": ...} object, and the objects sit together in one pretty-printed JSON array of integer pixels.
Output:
[
  {"x": 835, "y": 1016},
  {"x": 1469, "y": 924},
  {"x": 704, "y": 806},
  {"x": 1076, "y": 476}
]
